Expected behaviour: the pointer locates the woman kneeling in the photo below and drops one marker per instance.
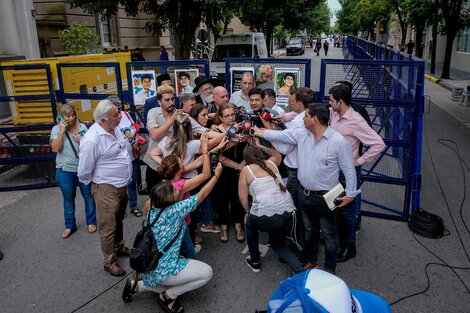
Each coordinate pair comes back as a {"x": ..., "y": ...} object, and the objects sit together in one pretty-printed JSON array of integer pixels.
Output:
[
  {"x": 173, "y": 276},
  {"x": 272, "y": 207}
]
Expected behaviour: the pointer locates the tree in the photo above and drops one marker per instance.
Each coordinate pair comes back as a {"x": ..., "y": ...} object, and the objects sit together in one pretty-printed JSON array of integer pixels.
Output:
[
  {"x": 402, "y": 17},
  {"x": 419, "y": 14},
  {"x": 346, "y": 22},
  {"x": 454, "y": 18},
  {"x": 182, "y": 17},
  {"x": 79, "y": 39},
  {"x": 265, "y": 15},
  {"x": 317, "y": 20}
]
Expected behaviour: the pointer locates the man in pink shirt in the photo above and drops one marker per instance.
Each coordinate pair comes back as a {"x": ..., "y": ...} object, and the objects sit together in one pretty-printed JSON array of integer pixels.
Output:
[{"x": 355, "y": 129}]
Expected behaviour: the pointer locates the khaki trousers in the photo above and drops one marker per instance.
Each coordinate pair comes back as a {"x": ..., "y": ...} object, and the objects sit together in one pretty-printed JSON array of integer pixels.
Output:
[{"x": 111, "y": 203}]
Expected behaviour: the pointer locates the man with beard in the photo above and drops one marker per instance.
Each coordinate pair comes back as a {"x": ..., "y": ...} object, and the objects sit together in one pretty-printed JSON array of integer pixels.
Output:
[
  {"x": 162, "y": 79},
  {"x": 159, "y": 124},
  {"x": 241, "y": 97},
  {"x": 105, "y": 162},
  {"x": 204, "y": 89}
]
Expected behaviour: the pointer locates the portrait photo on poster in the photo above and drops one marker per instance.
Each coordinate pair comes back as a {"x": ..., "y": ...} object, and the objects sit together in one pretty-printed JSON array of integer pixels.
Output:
[
  {"x": 185, "y": 80},
  {"x": 236, "y": 74},
  {"x": 143, "y": 86},
  {"x": 286, "y": 81}
]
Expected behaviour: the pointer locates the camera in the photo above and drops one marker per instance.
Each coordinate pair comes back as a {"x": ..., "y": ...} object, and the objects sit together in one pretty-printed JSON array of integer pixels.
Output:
[{"x": 214, "y": 157}]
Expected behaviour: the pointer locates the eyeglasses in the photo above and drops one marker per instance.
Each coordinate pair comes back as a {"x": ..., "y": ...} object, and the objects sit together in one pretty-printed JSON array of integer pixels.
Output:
[{"x": 229, "y": 115}]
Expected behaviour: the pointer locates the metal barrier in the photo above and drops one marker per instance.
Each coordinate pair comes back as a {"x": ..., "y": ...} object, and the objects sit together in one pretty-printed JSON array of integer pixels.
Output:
[
  {"x": 26, "y": 158},
  {"x": 303, "y": 66},
  {"x": 136, "y": 70},
  {"x": 84, "y": 84},
  {"x": 393, "y": 94}
]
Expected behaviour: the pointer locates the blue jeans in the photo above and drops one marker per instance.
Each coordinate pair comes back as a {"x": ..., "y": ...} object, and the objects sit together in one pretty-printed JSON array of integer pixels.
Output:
[
  {"x": 132, "y": 188},
  {"x": 316, "y": 215},
  {"x": 68, "y": 182},
  {"x": 187, "y": 246},
  {"x": 278, "y": 227}
]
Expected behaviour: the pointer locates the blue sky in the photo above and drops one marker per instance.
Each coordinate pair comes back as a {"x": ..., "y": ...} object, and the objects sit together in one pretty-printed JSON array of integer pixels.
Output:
[{"x": 334, "y": 6}]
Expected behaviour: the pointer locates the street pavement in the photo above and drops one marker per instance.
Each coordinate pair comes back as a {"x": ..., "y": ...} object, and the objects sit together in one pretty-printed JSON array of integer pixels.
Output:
[{"x": 43, "y": 273}]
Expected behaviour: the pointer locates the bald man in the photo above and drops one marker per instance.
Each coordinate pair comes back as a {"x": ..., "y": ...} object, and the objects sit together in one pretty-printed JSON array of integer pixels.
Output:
[{"x": 240, "y": 97}]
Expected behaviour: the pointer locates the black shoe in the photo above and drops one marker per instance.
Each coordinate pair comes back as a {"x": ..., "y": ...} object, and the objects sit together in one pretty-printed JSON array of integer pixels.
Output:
[
  {"x": 346, "y": 253},
  {"x": 255, "y": 267}
]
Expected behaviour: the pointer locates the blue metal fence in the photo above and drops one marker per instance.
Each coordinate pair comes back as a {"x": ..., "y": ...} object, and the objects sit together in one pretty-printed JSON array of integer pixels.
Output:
[
  {"x": 30, "y": 155},
  {"x": 390, "y": 84}
]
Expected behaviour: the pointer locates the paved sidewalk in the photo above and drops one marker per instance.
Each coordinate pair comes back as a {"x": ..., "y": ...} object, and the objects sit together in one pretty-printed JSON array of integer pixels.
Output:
[
  {"x": 441, "y": 96},
  {"x": 43, "y": 273}
]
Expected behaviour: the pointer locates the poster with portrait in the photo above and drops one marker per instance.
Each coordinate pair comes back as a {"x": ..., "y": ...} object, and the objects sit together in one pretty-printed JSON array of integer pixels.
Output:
[
  {"x": 286, "y": 81},
  {"x": 236, "y": 74},
  {"x": 184, "y": 80},
  {"x": 143, "y": 86}
]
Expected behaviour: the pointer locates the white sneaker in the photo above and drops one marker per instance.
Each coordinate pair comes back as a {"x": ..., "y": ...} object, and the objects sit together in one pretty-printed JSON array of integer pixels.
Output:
[{"x": 197, "y": 248}]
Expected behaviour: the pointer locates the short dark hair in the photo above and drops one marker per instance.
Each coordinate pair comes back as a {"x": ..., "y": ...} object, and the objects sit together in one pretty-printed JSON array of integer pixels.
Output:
[
  {"x": 344, "y": 82},
  {"x": 255, "y": 91},
  {"x": 321, "y": 111},
  {"x": 183, "y": 74},
  {"x": 304, "y": 95},
  {"x": 268, "y": 92},
  {"x": 146, "y": 76},
  {"x": 341, "y": 92},
  {"x": 289, "y": 74}
]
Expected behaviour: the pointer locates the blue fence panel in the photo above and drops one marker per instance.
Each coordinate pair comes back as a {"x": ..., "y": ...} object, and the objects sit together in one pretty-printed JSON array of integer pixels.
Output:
[
  {"x": 303, "y": 65},
  {"x": 161, "y": 67},
  {"x": 391, "y": 89},
  {"x": 25, "y": 154}
]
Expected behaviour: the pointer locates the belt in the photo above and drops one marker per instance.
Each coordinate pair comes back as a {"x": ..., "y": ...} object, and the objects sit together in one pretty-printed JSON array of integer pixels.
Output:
[
  {"x": 290, "y": 168},
  {"x": 308, "y": 192}
]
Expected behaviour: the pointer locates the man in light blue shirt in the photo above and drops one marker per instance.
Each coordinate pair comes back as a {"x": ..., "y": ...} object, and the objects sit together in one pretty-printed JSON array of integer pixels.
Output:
[{"x": 321, "y": 153}]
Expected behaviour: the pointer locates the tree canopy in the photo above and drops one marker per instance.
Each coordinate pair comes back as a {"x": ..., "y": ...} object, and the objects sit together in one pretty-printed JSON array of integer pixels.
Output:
[{"x": 183, "y": 17}]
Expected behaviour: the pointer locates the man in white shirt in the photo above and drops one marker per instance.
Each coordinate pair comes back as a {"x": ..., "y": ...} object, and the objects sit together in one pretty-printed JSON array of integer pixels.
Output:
[
  {"x": 298, "y": 102},
  {"x": 105, "y": 162},
  {"x": 321, "y": 153},
  {"x": 241, "y": 97}
]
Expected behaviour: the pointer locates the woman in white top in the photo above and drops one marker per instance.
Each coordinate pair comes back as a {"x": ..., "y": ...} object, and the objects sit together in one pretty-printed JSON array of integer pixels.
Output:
[{"x": 272, "y": 207}]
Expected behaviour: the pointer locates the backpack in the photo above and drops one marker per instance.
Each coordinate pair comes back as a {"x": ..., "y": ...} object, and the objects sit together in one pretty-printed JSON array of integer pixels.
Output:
[{"x": 145, "y": 254}]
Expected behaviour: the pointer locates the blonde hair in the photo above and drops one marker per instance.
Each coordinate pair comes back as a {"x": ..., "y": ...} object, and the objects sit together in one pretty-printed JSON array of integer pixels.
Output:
[
  {"x": 164, "y": 89},
  {"x": 182, "y": 134}
]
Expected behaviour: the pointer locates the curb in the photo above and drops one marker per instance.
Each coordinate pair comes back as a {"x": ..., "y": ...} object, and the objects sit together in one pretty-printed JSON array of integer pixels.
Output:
[{"x": 432, "y": 78}]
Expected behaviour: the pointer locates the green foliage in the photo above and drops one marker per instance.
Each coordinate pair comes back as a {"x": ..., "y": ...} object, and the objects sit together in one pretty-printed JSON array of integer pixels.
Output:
[
  {"x": 79, "y": 38},
  {"x": 182, "y": 17},
  {"x": 317, "y": 19},
  {"x": 361, "y": 15}
]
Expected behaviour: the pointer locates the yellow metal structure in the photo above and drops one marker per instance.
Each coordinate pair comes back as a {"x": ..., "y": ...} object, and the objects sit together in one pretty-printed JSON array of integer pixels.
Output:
[{"x": 76, "y": 80}]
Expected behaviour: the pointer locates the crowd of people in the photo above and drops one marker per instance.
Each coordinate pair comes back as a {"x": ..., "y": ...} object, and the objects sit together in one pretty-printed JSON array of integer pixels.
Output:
[{"x": 211, "y": 163}]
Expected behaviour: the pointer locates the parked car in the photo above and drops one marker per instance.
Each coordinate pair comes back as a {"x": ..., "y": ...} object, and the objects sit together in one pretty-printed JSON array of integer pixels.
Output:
[{"x": 295, "y": 46}]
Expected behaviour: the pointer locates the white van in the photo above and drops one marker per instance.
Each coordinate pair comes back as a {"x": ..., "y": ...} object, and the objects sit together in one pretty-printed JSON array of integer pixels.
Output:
[{"x": 246, "y": 45}]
